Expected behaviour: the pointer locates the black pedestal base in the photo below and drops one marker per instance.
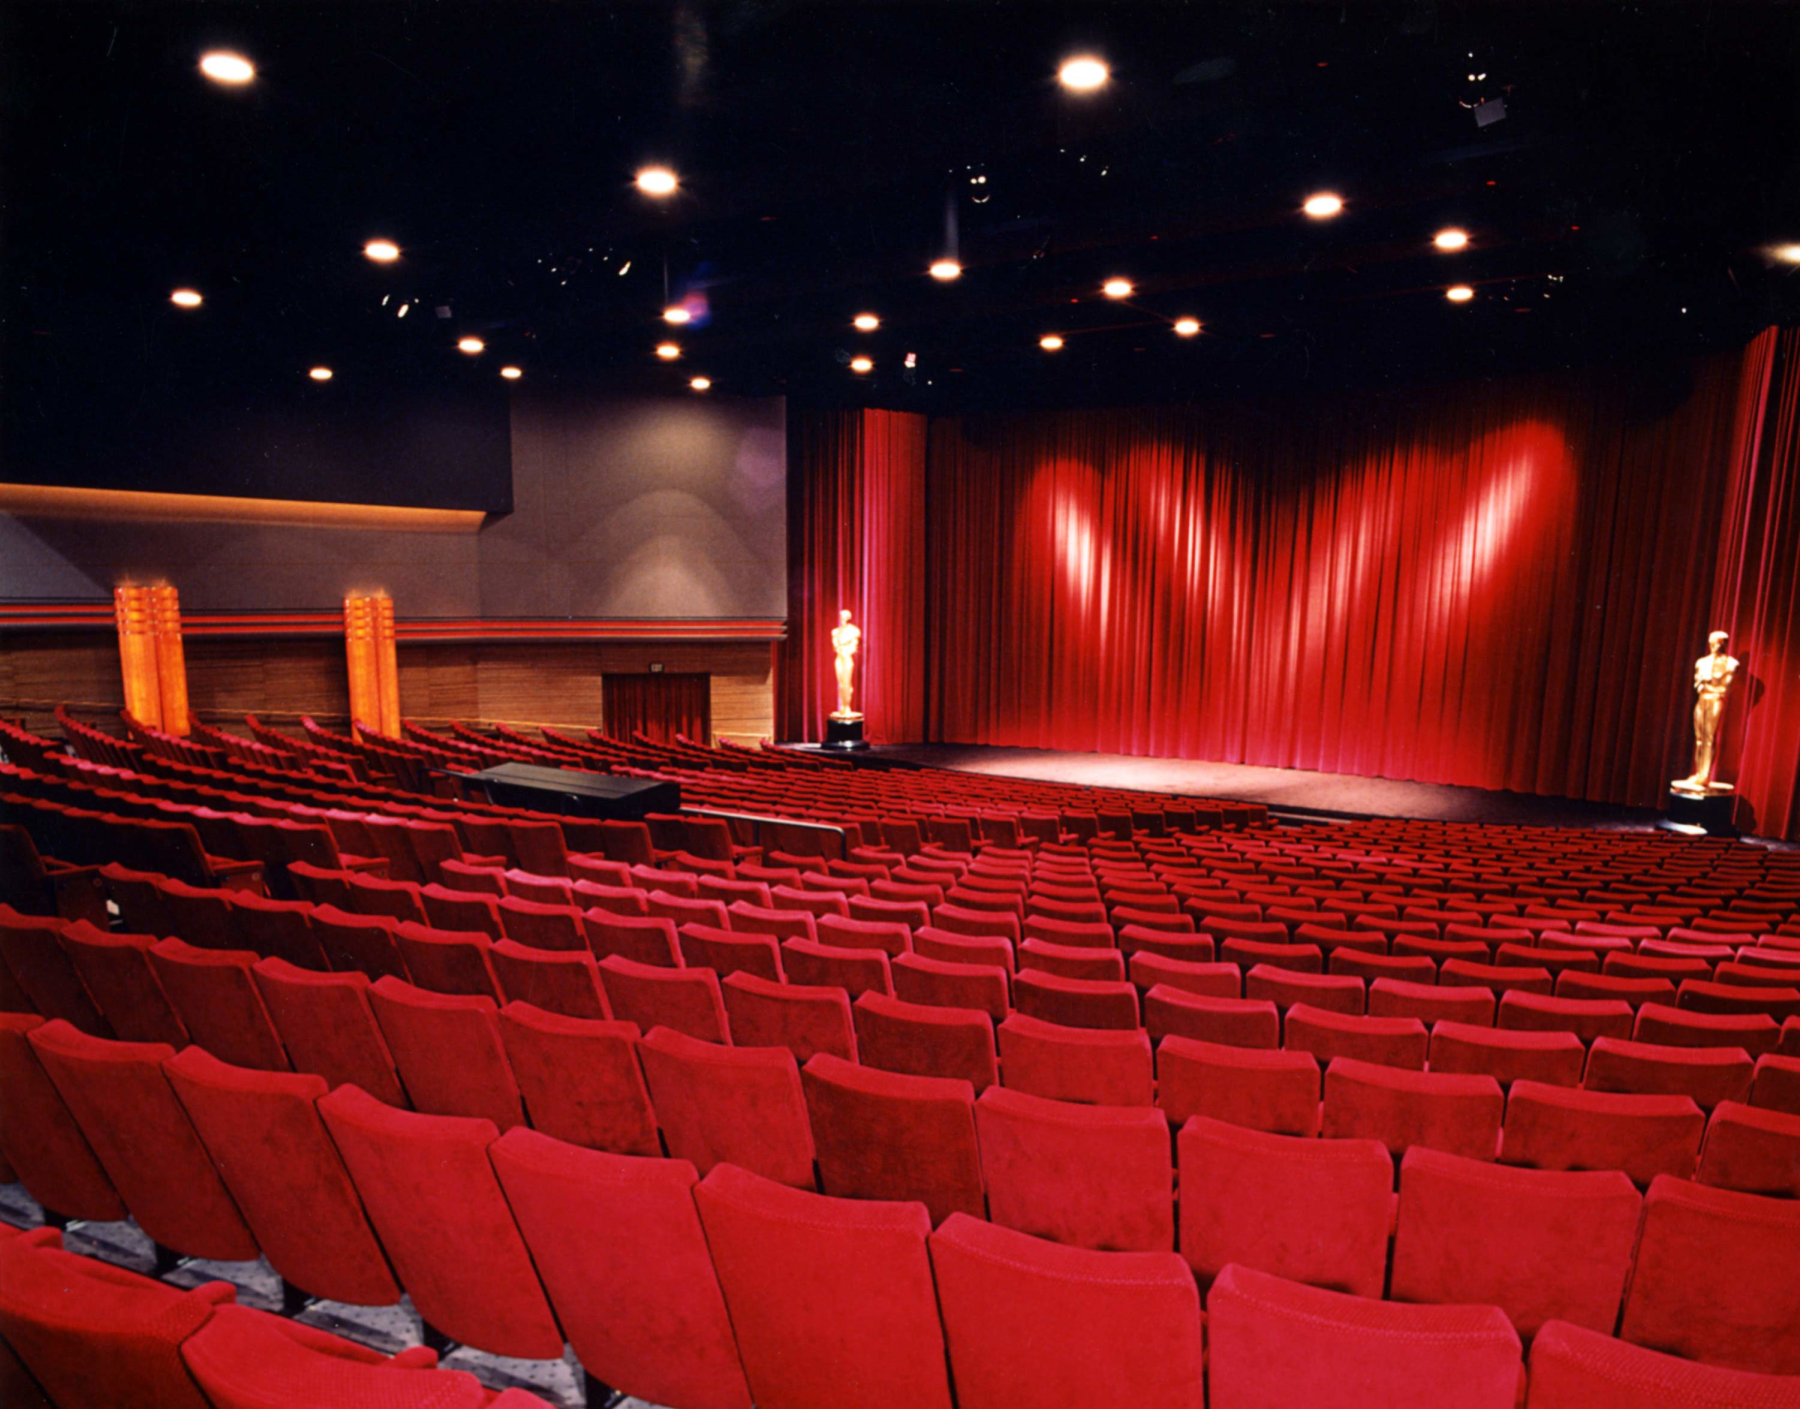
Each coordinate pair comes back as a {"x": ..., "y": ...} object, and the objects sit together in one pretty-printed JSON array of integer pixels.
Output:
[
  {"x": 1711, "y": 814},
  {"x": 844, "y": 734}
]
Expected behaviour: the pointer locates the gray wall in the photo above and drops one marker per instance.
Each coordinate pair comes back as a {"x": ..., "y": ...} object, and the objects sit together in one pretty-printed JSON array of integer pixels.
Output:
[{"x": 629, "y": 508}]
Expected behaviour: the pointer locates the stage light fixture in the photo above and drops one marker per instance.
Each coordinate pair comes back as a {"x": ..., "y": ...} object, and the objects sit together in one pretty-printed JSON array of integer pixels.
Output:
[
  {"x": 186, "y": 298},
  {"x": 657, "y": 181},
  {"x": 1083, "y": 74},
  {"x": 223, "y": 66},
  {"x": 677, "y": 314},
  {"x": 472, "y": 346},
  {"x": 862, "y": 364},
  {"x": 701, "y": 383},
  {"x": 865, "y": 322},
  {"x": 1051, "y": 342},
  {"x": 668, "y": 351},
  {"x": 1788, "y": 254},
  {"x": 1117, "y": 288},
  {"x": 1459, "y": 293},
  {"x": 1186, "y": 327},
  {"x": 512, "y": 374},
  {"x": 1451, "y": 239},
  {"x": 1323, "y": 205},
  {"x": 944, "y": 270},
  {"x": 381, "y": 251},
  {"x": 320, "y": 374}
]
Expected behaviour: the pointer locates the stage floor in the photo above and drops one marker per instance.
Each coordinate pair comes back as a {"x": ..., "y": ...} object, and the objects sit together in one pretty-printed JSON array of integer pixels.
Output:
[{"x": 1287, "y": 790}]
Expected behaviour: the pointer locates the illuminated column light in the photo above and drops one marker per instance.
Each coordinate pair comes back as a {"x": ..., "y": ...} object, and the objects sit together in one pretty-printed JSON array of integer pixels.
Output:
[
  {"x": 668, "y": 351},
  {"x": 1322, "y": 205},
  {"x": 701, "y": 383},
  {"x": 1186, "y": 327},
  {"x": 222, "y": 66},
  {"x": 320, "y": 374},
  {"x": 1459, "y": 293},
  {"x": 1083, "y": 74},
  {"x": 657, "y": 181},
  {"x": 860, "y": 365},
  {"x": 381, "y": 251},
  {"x": 944, "y": 270},
  {"x": 186, "y": 298},
  {"x": 677, "y": 314},
  {"x": 1117, "y": 288},
  {"x": 472, "y": 346},
  {"x": 512, "y": 374},
  {"x": 865, "y": 322},
  {"x": 1788, "y": 254},
  {"x": 1451, "y": 239},
  {"x": 1051, "y": 342}
]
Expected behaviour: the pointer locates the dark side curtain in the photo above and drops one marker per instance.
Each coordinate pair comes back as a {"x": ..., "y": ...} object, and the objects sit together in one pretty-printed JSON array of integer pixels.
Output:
[{"x": 661, "y": 705}]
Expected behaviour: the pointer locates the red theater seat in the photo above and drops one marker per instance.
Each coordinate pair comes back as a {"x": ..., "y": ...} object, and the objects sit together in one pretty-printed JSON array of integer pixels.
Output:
[
  {"x": 1428, "y": 1003},
  {"x": 729, "y": 1105},
  {"x": 1713, "y": 1278},
  {"x": 1553, "y": 1127},
  {"x": 1573, "y": 1368},
  {"x": 1148, "y": 969},
  {"x": 96, "y": 1336},
  {"x": 1277, "y": 1344},
  {"x": 1708, "y": 1074},
  {"x": 1587, "y": 1018},
  {"x": 662, "y": 1333},
  {"x": 328, "y": 1027},
  {"x": 1073, "y": 961},
  {"x": 31, "y": 951},
  {"x": 1603, "y": 985},
  {"x": 1508, "y": 1055},
  {"x": 1756, "y": 1033},
  {"x": 115, "y": 969},
  {"x": 888, "y": 936},
  {"x": 143, "y": 1139},
  {"x": 1033, "y": 1322},
  {"x": 918, "y": 979},
  {"x": 1775, "y": 1083},
  {"x": 856, "y": 971},
  {"x": 551, "y": 979},
  {"x": 1263, "y": 1090},
  {"x": 831, "y": 1299},
  {"x": 1754, "y": 1151},
  {"x": 41, "y": 1140},
  {"x": 1395, "y": 1042},
  {"x": 1234, "y": 1022},
  {"x": 459, "y": 910},
  {"x": 441, "y": 1214},
  {"x": 580, "y": 1079},
  {"x": 727, "y": 952},
  {"x": 800, "y": 1018},
  {"x": 215, "y": 992},
  {"x": 1285, "y": 988},
  {"x": 919, "y": 1039},
  {"x": 445, "y": 961},
  {"x": 276, "y": 929},
  {"x": 643, "y": 939},
  {"x": 358, "y": 943},
  {"x": 1460, "y": 1114},
  {"x": 448, "y": 1052},
  {"x": 950, "y": 948},
  {"x": 270, "y": 1146},
  {"x": 1539, "y": 1245},
  {"x": 687, "y": 1000},
  {"x": 882, "y": 1135},
  {"x": 1091, "y": 1176},
  {"x": 1076, "y": 1064},
  {"x": 1316, "y": 1211}
]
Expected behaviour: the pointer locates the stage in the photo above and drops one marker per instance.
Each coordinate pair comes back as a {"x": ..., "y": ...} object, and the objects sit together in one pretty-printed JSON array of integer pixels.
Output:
[{"x": 1291, "y": 792}]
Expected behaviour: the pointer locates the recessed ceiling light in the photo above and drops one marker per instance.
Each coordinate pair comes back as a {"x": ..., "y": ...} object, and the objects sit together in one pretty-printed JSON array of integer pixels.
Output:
[
  {"x": 701, "y": 383},
  {"x": 944, "y": 270},
  {"x": 1451, "y": 239},
  {"x": 320, "y": 374},
  {"x": 381, "y": 251},
  {"x": 1084, "y": 73},
  {"x": 1459, "y": 293},
  {"x": 1116, "y": 288},
  {"x": 866, "y": 322},
  {"x": 862, "y": 364},
  {"x": 1323, "y": 205},
  {"x": 223, "y": 66},
  {"x": 1050, "y": 342},
  {"x": 1788, "y": 254},
  {"x": 676, "y": 313},
  {"x": 668, "y": 351},
  {"x": 657, "y": 181},
  {"x": 1186, "y": 327},
  {"x": 185, "y": 298},
  {"x": 470, "y": 345},
  {"x": 512, "y": 374}
]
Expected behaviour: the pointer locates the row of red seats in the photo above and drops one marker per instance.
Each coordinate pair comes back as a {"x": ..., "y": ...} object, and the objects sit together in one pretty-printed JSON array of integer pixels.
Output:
[{"x": 792, "y": 1297}]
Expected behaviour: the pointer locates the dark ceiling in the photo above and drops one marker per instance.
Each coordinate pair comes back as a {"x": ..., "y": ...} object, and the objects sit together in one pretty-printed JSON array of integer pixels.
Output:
[{"x": 1648, "y": 157}]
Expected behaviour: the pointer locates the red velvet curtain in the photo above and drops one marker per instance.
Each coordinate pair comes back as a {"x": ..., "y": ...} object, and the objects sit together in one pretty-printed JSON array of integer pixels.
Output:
[
  {"x": 1757, "y": 593},
  {"x": 1501, "y": 585},
  {"x": 856, "y": 539},
  {"x": 661, "y": 705}
]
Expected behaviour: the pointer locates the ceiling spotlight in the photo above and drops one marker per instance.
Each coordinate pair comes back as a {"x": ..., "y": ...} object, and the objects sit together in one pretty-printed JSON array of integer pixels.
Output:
[
  {"x": 1323, "y": 206},
  {"x": 1116, "y": 288},
  {"x": 1051, "y": 342},
  {"x": 657, "y": 181},
  {"x": 676, "y": 313},
  {"x": 944, "y": 270},
  {"x": 1788, "y": 254},
  {"x": 320, "y": 374},
  {"x": 1083, "y": 74},
  {"x": 1459, "y": 293},
  {"x": 185, "y": 298},
  {"x": 222, "y": 66},
  {"x": 381, "y": 251},
  {"x": 512, "y": 374},
  {"x": 862, "y": 364},
  {"x": 866, "y": 322},
  {"x": 701, "y": 383},
  {"x": 470, "y": 345},
  {"x": 668, "y": 351},
  {"x": 1186, "y": 327},
  {"x": 1451, "y": 239}
]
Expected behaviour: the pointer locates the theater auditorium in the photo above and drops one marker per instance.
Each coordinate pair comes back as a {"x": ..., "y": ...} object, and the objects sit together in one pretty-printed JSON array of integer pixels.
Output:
[{"x": 768, "y": 704}]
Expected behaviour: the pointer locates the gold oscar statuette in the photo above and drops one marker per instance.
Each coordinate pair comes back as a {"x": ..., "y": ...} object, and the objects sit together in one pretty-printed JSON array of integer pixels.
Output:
[
  {"x": 1714, "y": 675},
  {"x": 844, "y": 640}
]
